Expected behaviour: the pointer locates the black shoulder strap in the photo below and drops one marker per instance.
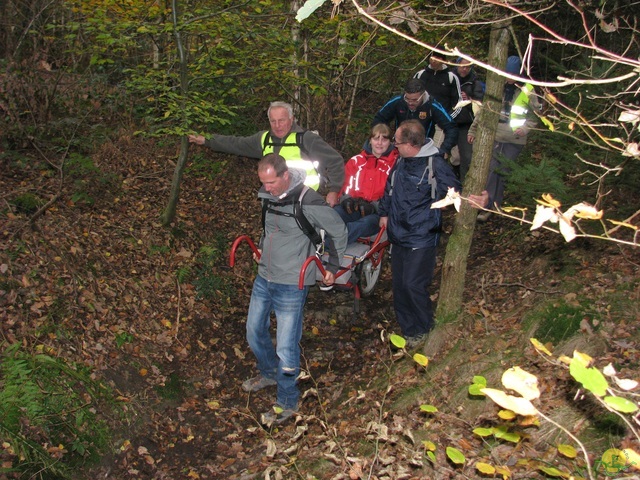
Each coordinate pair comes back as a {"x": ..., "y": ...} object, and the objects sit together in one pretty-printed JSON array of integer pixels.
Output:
[
  {"x": 299, "y": 142},
  {"x": 294, "y": 198}
]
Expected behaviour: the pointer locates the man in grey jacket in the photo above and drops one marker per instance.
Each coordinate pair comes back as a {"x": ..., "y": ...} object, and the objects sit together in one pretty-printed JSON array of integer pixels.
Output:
[
  {"x": 301, "y": 149},
  {"x": 284, "y": 248}
]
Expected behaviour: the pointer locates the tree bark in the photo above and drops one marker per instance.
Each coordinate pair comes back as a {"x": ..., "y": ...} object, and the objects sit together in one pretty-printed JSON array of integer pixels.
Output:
[
  {"x": 454, "y": 267},
  {"x": 170, "y": 211}
]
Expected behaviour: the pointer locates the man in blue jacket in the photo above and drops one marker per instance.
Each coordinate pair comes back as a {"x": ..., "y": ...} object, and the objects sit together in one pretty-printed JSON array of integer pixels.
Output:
[
  {"x": 417, "y": 104},
  {"x": 420, "y": 177}
]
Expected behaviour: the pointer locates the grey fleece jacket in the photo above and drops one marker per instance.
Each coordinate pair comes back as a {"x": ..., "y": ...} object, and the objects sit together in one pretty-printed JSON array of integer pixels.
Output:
[
  {"x": 331, "y": 163},
  {"x": 284, "y": 245}
]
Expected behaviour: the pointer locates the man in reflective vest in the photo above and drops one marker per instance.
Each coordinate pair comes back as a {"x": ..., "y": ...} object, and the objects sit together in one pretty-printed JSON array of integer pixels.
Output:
[
  {"x": 516, "y": 120},
  {"x": 301, "y": 149}
]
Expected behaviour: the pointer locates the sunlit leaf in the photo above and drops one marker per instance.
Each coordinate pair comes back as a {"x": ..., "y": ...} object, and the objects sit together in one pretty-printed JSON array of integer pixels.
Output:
[
  {"x": 549, "y": 201},
  {"x": 420, "y": 359},
  {"x": 539, "y": 346},
  {"x": 554, "y": 472},
  {"x": 632, "y": 116},
  {"x": 431, "y": 456},
  {"x": 397, "y": 341},
  {"x": 632, "y": 457},
  {"x": 623, "y": 224},
  {"x": 609, "y": 371},
  {"x": 504, "y": 471},
  {"x": 476, "y": 389},
  {"x": 428, "y": 408},
  {"x": 480, "y": 380},
  {"x": 590, "y": 378},
  {"x": 621, "y": 404},
  {"x": 452, "y": 198},
  {"x": 583, "y": 210},
  {"x": 503, "y": 433},
  {"x": 615, "y": 461},
  {"x": 625, "y": 384},
  {"x": 548, "y": 123},
  {"x": 521, "y": 381},
  {"x": 506, "y": 415},
  {"x": 543, "y": 214},
  {"x": 308, "y": 8},
  {"x": 519, "y": 405},
  {"x": 485, "y": 468},
  {"x": 483, "y": 432},
  {"x": 455, "y": 456},
  {"x": 429, "y": 446},
  {"x": 566, "y": 228},
  {"x": 631, "y": 150},
  {"x": 567, "y": 450}
]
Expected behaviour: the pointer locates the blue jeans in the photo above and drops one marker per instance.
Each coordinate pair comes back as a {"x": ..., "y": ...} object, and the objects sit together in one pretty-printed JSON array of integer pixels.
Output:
[
  {"x": 281, "y": 362},
  {"x": 357, "y": 225},
  {"x": 411, "y": 275}
]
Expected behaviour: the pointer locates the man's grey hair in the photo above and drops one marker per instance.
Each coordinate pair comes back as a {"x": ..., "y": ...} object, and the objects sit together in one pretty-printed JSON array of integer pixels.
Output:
[{"x": 285, "y": 105}]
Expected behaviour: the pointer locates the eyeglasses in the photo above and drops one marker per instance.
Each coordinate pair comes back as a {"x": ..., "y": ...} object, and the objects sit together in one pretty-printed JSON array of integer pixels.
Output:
[
  {"x": 413, "y": 100},
  {"x": 396, "y": 143}
]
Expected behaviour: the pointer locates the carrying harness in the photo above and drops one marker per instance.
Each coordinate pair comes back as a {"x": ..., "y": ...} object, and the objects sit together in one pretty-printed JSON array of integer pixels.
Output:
[{"x": 295, "y": 198}]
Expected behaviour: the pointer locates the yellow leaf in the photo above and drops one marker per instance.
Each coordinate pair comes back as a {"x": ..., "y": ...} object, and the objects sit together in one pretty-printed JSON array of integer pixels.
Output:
[
  {"x": 564, "y": 359},
  {"x": 623, "y": 224},
  {"x": 633, "y": 457},
  {"x": 506, "y": 415},
  {"x": 550, "y": 97},
  {"x": 583, "y": 358},
  {"x": 548, "y": 123},
  {"x": 522, "y": 382},
  {"x": 485, "y": 468},
  {"x": 549, "y": 201},
  {"x": 504, "y": 471},
  {"x": 567, "y": 450},
  {"x": 519, "y": 405},
  {"x": 315, "y": 330},
  {"x": 143, "y": 372},
  {"x": 166, "y": 323},
  {"x": 420, "y": 359},
  {"x": 539, "y": 346},
  {"x": 429, "y": 446}
]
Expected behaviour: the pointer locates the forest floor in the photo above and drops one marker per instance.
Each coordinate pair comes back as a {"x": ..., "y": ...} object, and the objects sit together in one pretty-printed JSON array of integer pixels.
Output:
[{"x": 160, "y": 317}]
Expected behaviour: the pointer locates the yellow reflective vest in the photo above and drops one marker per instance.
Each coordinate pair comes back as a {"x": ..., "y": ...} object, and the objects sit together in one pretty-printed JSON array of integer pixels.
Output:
[
  {"x": 520, "y": 107},
  {"x": 290, "y": 149}
]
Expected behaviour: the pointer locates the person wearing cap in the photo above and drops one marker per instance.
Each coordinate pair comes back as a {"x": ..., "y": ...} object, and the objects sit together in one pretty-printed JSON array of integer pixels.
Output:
[
  {"x": 301, "y": 148},
  {"x": 472, "y": 90},
  {"x": 417, "y": 104},
  {"x": 517, "y": 118}
]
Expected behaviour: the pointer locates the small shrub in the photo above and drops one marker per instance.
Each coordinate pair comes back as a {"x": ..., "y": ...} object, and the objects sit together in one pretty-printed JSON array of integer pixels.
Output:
[
  {"x": 27, "y": 203},
  {"x": 49, "y": 426}
]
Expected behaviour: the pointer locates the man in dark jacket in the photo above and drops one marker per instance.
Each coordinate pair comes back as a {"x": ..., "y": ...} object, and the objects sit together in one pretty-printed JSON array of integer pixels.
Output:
[
  {"x": 417, "y": 104},
  {"x": 441, "y": 84},
  {"x": 322, "y": 163},
  {"x": 420, "y": 177},
  {"x": 284, "y": 249},
  {"x": 472, "y": 90}
]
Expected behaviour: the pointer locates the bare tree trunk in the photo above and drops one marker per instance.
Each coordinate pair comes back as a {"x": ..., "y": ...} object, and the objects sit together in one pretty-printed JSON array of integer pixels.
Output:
[
  {"x": 454, "y": 267},
  {"x": 170, "y": 212}
]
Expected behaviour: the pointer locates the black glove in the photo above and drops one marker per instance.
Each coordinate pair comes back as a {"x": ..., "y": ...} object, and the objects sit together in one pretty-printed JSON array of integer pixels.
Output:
[
  {"x": 349, "y": 205},
  {"x": 365, "y": 208}
]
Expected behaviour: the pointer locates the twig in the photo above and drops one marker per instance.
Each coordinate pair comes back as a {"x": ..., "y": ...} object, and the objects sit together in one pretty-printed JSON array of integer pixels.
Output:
[{"x": 522, "y": 285}]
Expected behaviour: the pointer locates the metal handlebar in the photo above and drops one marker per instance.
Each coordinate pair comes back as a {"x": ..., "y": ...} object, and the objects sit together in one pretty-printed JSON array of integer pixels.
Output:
[{"x": 236, "y": 243}]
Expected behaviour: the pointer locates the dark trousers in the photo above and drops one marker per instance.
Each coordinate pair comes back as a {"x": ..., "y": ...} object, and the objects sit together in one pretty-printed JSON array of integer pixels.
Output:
[{"x": 412, "y": 272}]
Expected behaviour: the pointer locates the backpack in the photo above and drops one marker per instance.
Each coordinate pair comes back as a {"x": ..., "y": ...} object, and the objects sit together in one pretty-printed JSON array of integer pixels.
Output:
[
  {"x": 430, "y": 179},
  {"x": 304, "y": 224}
]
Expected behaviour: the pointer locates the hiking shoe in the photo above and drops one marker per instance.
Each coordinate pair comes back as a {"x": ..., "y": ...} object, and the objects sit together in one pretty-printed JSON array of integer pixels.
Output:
[
  {"x": 325, "y": 288},
  {"x": 415, "y": 342},
  {"x": 277, "y": 415},
  {"x": 257, "y": 383},
  {"x": 483, "y": 216}
]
